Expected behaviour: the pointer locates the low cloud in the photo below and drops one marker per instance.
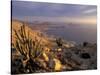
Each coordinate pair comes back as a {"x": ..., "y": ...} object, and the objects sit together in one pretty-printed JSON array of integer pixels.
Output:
[
  {"x": 90, "y": 11},
  {"x": 82, "y": 20}
]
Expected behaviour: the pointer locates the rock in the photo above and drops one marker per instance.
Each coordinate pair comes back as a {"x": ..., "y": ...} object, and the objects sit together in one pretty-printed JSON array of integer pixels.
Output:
[
  {"x": 59, "y": 49},
  {"x": 85, "y": 56},
  {"x": 77, "y": 51},
  {"x": 84, "y": 67},
  {"x": 85, "y": 44},
  {"x": 51, "y": 64},
  {"x": 58, "y": 65},
  {"x": 68, "y": 55}
]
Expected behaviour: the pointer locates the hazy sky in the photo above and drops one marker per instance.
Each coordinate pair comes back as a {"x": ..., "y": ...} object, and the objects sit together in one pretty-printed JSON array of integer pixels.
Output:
[{"x": 64, "y": 13}]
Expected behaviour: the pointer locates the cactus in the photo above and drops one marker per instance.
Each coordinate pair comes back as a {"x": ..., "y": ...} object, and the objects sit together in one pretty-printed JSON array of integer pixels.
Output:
[
  {"x": 59, "y": 42},
  {"x": 30, "y": 48},
  {"x": 27, "y": 46}
]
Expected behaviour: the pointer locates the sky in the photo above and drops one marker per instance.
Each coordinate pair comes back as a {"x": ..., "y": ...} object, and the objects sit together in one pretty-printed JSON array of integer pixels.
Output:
[{"x": 54, "y": 12}]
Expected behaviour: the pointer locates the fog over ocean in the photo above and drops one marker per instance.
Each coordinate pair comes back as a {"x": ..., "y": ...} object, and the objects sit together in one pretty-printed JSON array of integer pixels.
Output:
[
  {"x": 79, "y": 33},
  {"x": 83, "y": 15}
]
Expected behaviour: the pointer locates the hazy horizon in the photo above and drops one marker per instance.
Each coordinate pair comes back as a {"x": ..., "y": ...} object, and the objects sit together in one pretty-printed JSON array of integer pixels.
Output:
[{"x": 79, "y": 22}]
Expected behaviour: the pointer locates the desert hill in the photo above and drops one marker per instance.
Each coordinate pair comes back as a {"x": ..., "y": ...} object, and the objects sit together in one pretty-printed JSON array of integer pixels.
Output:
[
  {"x": 46, "y": 54},
  {"x": 33, "y": 33}
]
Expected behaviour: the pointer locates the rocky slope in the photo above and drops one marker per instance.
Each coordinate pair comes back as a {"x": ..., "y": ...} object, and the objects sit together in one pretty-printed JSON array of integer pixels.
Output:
[{"x": 51, "y": 54}]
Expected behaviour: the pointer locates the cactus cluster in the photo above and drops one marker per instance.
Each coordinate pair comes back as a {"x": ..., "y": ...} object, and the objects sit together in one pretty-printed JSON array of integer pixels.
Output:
[
  {"x": 27, "y": 46},
  {"x": 30, "y": 48}
]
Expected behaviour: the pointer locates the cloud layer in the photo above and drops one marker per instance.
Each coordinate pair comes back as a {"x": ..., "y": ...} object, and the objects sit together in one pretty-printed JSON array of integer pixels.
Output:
[{"x": 54, "y": 12}]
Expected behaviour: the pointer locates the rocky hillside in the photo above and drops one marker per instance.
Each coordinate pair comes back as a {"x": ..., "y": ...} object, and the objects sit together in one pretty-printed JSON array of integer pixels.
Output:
[
  {"x": 16, "y": 25},
  {"x": 34, "y": 48}
]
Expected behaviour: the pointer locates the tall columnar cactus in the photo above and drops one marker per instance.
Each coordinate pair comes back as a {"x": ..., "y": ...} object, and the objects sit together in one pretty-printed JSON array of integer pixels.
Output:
[{"x": 27, "y": 46}]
